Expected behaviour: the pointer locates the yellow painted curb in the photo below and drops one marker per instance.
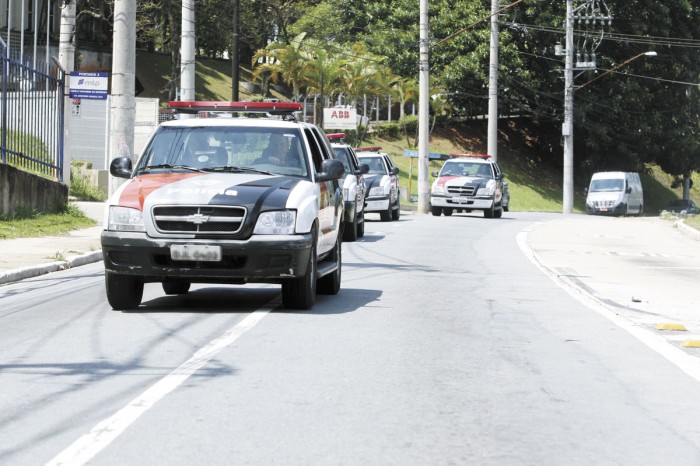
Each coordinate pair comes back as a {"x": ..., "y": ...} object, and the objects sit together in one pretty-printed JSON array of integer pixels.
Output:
[
  {"x": 691, "y": 343},
  {"x": 679, "y": 327}
]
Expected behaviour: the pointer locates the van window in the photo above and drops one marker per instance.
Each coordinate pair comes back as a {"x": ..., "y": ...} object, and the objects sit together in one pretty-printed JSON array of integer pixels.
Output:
[{"x": 601, "y": 186}]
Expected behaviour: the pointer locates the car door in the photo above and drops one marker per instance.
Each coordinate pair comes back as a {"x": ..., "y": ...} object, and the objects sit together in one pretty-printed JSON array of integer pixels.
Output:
[{"x": 330, "y": 192}]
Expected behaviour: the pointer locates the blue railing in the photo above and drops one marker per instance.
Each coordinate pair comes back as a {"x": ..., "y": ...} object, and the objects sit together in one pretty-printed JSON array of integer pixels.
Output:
[{"x": 33, "y": 102}]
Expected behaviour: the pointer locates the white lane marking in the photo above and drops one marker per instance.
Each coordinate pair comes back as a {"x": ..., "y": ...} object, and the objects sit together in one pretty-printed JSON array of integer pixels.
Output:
[
  {"x": 684, "y": 361},
  {"x": 89, "y": 445}
]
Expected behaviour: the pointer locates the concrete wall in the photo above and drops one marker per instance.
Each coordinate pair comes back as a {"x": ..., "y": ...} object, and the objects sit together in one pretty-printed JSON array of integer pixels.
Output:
[{"x": 19, "y": 189}]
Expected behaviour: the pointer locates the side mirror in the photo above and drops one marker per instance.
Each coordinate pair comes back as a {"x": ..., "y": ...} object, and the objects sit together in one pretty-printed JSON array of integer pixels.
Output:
[
  {"x": 362, "y": 169},
  {"x": 395, "y": 171},
  {"x": 434, "y": 173},
  {"x": 585, "y": 191},
  {"x": 121, "y": 167},
  {"x": 628, "y": 190},
  {"x": 331, "y": 169}
]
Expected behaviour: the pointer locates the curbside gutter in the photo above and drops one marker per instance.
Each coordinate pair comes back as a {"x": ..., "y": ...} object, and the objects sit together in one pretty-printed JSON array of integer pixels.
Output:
[
  {"x": 42, "y": 269},
  {"x": 686, "y": 230}
]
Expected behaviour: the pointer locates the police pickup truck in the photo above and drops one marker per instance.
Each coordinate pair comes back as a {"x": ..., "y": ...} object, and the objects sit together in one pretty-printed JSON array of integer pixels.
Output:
[{"x": 227, "y": 200}]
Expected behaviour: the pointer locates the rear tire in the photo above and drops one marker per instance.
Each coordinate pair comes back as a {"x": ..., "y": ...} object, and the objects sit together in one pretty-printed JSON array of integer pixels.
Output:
[
  {"x": 123, "y": 291},
  {"x": 447, "y": 212},
  {"x": 176, "y": 287},
  {"x": 300, "y": 293},
  {"x": 330, "y": 284}
]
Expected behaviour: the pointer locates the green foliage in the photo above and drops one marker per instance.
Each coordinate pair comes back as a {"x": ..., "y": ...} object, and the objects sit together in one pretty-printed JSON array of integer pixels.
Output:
[
  {"x": 26, "y": 223},
  {"x": 388, "y": 130},
  {"x": 82, "y": 190}
]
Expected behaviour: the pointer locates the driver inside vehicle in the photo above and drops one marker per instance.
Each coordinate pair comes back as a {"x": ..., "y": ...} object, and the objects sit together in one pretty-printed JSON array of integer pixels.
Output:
[{"x": 276, "y": 151}]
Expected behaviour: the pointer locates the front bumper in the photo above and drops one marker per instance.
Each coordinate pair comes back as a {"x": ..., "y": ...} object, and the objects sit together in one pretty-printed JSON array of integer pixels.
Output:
[
  {"x": 618, "y": 209},
  {"x": 261, "y": 258},
  {"x": 453, "y": 202},
  {"x": 377, "y": 204}
]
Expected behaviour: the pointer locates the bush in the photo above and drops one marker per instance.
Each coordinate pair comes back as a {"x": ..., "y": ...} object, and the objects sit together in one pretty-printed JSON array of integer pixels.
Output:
[
  {"x": 388, "y": 130},
  {"x": 409, "y": 124}
]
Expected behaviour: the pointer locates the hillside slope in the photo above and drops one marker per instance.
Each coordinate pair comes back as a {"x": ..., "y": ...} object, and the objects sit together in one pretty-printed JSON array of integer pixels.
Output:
[{"x": 534, "y": 178}]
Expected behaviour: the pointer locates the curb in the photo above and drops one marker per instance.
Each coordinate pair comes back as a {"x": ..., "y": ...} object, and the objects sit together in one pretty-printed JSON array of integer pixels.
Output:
[
  {"x": 36, "y": 270},
  {"x": 686, "y": 230}
]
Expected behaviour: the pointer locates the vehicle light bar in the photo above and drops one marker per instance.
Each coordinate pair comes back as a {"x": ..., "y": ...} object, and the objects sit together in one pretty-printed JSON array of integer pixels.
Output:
[
  {"x": 477, "y": 156},
  {"x": 368, "y": 149},
  {"x": 275, "y": 108},
  {"x": 333, "y": 136}
]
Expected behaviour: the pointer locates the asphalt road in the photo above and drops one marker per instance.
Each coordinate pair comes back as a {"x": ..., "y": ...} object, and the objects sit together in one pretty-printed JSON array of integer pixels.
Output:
[{"x": 457, "y": 340}]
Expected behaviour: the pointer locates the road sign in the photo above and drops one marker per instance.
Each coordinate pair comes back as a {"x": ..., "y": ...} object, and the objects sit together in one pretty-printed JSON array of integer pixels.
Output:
[{"x": 89, "y": 85}]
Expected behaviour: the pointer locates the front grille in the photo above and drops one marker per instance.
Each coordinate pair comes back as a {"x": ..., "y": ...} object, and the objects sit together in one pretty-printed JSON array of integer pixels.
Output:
[
  {"x": 212, "y": 220},
  {"x": 604, "y": 203},
  {"x": 461, "y": 190}
]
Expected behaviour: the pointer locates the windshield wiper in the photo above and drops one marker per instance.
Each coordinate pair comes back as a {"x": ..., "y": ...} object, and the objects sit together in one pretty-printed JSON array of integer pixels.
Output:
[
  {"x": 148, "y": 168},
  {"x": 235, "y": 169}
]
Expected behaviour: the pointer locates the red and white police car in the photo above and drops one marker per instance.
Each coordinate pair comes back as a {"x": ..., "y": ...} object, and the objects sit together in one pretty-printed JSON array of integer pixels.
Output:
[{"x": 227, "y": 200}]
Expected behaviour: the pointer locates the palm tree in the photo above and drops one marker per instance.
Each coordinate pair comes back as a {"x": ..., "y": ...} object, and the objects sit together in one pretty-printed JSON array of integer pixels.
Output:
[
  {"x": 323, "y": 71},
  {"x": 285, "y": 61}
]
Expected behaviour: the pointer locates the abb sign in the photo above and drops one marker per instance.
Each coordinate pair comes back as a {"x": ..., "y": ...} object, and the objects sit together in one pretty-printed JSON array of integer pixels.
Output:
[{"x": 339, "y": 118}]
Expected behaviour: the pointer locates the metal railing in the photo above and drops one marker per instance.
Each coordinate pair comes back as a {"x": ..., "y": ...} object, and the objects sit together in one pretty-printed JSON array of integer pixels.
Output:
[{"x": 31, "y": 114}]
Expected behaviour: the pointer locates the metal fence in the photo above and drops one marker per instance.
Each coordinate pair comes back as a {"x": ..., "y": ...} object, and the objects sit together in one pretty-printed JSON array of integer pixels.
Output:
[{"x": 31, "y": 114}]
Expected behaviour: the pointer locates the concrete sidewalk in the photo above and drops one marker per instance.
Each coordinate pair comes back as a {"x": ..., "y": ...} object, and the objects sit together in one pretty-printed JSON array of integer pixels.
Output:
[{"x": 29, "y": 257}]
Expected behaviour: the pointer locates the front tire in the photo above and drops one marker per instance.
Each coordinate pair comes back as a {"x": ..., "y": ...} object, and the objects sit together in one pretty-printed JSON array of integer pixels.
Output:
[
  {"x": 361, "y": 226},
  {"x": 350, "y": 230},
  {"x": 396, "y": 213},
  {"x": 330, "y": 284},
  {"x": 123, "y": 291},
  {"x": 300, "y": 293},
  {"x": 436, "y": 211}
]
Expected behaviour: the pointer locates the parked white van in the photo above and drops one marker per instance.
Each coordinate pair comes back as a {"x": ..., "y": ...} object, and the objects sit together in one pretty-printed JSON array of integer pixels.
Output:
[{"x": 615, "y": 193}]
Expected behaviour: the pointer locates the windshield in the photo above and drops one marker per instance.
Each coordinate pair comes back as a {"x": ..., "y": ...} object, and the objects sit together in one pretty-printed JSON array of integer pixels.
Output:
[
  {"x": 341, "y": 153},
  {"x": 376, "y": 165},
  {"x": 266, "y": 150},
  {"x": 601, "y": 186},
  {"x": 481, "y": 170}
]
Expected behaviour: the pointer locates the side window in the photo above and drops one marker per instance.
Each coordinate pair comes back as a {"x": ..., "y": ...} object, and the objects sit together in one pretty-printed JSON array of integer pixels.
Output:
[
  {"x": 323, "y": 143},
  {"x": 316, "y": 154}
]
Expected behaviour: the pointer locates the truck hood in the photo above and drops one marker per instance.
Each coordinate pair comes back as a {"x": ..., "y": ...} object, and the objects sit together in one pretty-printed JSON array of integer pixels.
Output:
[
  {"x": 450, "y": 180},
  {"x": 243, "y": 189}
]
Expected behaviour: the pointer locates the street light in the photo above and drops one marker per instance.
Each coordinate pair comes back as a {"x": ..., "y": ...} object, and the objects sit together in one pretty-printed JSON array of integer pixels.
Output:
[{"x": 648, "y": 54}]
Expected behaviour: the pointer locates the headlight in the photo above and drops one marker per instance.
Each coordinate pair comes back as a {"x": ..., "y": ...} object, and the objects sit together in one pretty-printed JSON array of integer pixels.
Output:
[
  {"x": 125, "y": 219},
  {"x": 278, "y": 222},
  {"x": 376, "y": 191},
  {"x": 438, "y": 189},
  {"x": 489, "y": 190}
]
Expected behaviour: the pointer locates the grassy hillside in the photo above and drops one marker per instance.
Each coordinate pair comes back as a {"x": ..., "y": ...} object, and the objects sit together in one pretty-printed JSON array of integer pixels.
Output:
[{"x": 534, "y": 185}]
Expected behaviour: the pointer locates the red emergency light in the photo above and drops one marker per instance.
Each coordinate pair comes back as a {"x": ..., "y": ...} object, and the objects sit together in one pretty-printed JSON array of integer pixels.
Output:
[
  {"x": 275, "y": 108},
  {"x": 335, "y": 136},
  {"x": 368, "y": 149},
  {"x": 477, "y": 156}
]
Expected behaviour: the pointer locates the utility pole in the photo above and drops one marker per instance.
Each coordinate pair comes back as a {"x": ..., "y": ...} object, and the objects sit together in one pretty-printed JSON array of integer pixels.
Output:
[
  {"x": 235, "y": 73},
  {"x": 492, "y": 143},
  {"x": 567, "y": 130},
  {"x": 123, "y": 98},
  {"x": 66, "y": 56},
  {"x": 187, "y": 52},
  {"x": 423, "y": 111},
  {"x": 593, "y": 18}
]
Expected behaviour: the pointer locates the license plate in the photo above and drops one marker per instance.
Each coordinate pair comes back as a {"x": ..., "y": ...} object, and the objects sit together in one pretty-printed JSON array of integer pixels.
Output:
[
  {"x": 603, "y": 209},
  {"x": 461, "y": 200},
  {"x": 195, "y": 252}
]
